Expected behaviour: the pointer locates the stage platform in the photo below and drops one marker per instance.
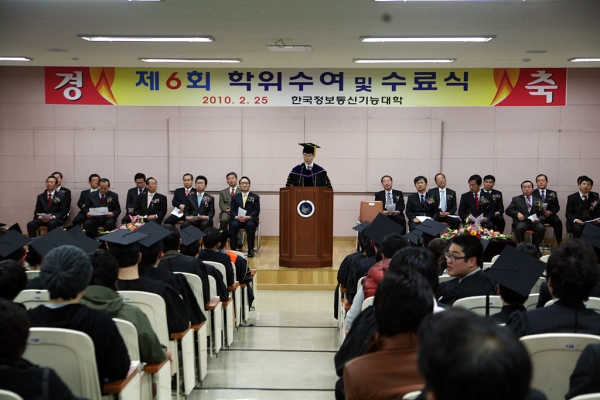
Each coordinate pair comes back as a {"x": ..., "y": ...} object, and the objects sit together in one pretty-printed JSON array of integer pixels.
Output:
[{"x": 272, "y": 276}]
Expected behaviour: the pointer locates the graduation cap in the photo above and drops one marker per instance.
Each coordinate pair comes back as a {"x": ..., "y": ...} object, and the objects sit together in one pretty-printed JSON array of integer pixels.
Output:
[
  {"x": 1, "y": 224},
  {"x": 380, "y": 228},
  {"x": 361, "y": 227},
  {"x": 155, "y": 233},
  {"x": 124, "y": 236},
  {"x": 86, "y": 243},
  {"x": 11, "y": 241},
  {"x": 15, "y": 227},
  {"x": 225, "y": 234},
  {"x": 516, "y": 270},
  {"x": 431, "y": 227},
  {"x": 190, "y": 235},
  {"x": 484, "y": 243},
  {"x": 591, "y": 234},
  {"x": 413, "y": 237},
  {"x": 309, "y": 148},
  {"x": 55, "y": 238}
]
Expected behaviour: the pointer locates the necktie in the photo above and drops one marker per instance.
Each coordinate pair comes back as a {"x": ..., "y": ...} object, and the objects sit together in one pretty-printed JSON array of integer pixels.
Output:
[
  {"x": 149, "y": 200},
  {"x": 584, "y": 198},
  {"x": 389, "y": 200},
  {"x": 187, "y": 191},
  {"x": 477, "y": 200},
  {"x": 244, "y": 199},
  {"x": 528, "y": 203},
  {"x": 422, "y": 200},
  {"x": 308, "y": 167},
  {"x": 232, "y": 192},
  {"x": 200, "y": 200},
  {"x": 543, "y": 196},
  {"x": 102, "y": 200},
  {"x": 49, "y": 199},
  {"x": 443, "y": 200},
  {"x": 140, "y": 192}
]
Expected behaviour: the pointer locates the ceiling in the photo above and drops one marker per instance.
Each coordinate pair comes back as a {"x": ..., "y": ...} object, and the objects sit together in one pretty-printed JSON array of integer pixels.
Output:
[{"x": 46, "y": 30}]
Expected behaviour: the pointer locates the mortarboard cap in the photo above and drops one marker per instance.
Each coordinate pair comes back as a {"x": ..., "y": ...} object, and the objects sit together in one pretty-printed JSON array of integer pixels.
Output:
[
  {"x": 516, "y": 270},
  {"x": 190, "y": 235},
  {"x": 362, "y": 226},
  {"x": 484, "y": 243},
  {"x": 380, "y": 228},
  {"x": 15, "y": 227},
  {"x": 55, "y": 238},
  {"x": 414, "y": 237},
  {"x": 431, "y": 227},
  {"x": 309, "y": 148},
  {"x": 11, "y": 241},
  {"x": 225, "y": 234},
  {"x": 86, "y": 243},
  {"x": 124, "y": 237},
  {"x": 591, "y": 234},
  {"x": 2, "y": 224},
  {"x": 155, "y": 233}
]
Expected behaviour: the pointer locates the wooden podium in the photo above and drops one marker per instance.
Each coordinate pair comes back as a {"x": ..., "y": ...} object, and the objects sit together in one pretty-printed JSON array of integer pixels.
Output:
[{"x": 305, "y": 241}]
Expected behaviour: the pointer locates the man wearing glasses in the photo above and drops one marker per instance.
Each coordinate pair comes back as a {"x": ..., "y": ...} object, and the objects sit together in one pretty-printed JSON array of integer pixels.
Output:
[{"x": 465, "y": 259}]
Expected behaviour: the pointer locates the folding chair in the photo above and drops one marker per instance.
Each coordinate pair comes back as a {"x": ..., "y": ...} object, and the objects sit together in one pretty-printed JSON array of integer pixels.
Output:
[
  {"x": 445, "y": 278},
  {"x": 537, "y": 285},
  {"x": 589, "y": 396},
  {"x": 495, "y": 258},
  {"x": 216, "y": 308},
  {"x": 545, "y": 258},
  {"x": 228, "y": 318},
  {"x": 477, "y": 304},
  {"x": 243, "y": 232},
  {"x": 33, "y": 298},
  {"x": 7, "y": 395},
  {"x": 411, "y": 395},
  {"x": 554, "y": 356},
  {"x": 71, "y": 354},
  {"x": 154, "y": 307},
  {"x": 237, "y": 297},
  {"x": 368, "y": 302},
  {"x": 32, "y": 274},
  {"x": 532, "y": 301}
]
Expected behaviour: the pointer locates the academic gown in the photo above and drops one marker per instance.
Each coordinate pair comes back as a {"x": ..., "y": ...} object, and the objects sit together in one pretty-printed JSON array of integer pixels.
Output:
[
  {"x": 301, "y": 176},
  {"x": 477, "y": 284},
  {"x": 112, "y": 359},
  {"x": 178, "y": 312},
  {"x": 359, "y": 269},
  {"x": 215, "y": 256},
  {"x": 32, "y": 382}
]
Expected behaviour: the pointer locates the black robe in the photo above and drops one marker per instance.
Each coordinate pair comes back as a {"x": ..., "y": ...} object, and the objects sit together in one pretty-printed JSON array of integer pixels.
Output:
[
  {"x": 301, "y": 176},
  {"x": 215, "y": 256},
  {"x": 28, "y": 381},
  {"x": 477, "y": 284}
]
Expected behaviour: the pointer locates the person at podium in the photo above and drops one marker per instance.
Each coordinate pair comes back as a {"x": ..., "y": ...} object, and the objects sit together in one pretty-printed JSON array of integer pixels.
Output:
[{"x": 308, "y": 173}]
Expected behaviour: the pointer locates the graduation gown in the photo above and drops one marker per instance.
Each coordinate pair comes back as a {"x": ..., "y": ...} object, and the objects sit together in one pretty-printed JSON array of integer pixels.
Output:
[
  {"x": 215, "y": 256},
  {"x": 33, "y": 382},
  {"x": 477, "y": 284},
  {"x": 301, "y": 176}
]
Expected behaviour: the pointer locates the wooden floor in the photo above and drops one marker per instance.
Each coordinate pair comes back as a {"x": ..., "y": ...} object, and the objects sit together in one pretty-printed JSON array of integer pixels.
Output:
[{"x": 272, "y": 276}]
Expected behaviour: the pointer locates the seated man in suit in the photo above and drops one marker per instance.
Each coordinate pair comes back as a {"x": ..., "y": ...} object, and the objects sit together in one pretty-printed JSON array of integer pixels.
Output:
[
  {"x": 81, "y": 217},
  {"x": 444, "y": 202},
  {"x": 133, "y": 194},
  {"x": 51, "y": 203},
  {"x": 250, "y": 203},
  {"x": 465, "y": 260},
  {"x": 225, "y": 199},
  {"x": 582, "y": 206},
  {"x": 103, "y": 197},
  {"x": 152, "y": 206},
  {"x": 550, "y": 198},
  {"x": 212, "y": 242},
  {"x": 476, "y": 202},
  {"x": 179, "y": 198},
  {"x": 488, "y": 188},
  {"x": 199, "y": 207},
  {"x": 417, "y": 205},
  {"x": 62, "y": 190},
  {"x": 527, "y": 212},
  {"x": 390, "y": 197}
]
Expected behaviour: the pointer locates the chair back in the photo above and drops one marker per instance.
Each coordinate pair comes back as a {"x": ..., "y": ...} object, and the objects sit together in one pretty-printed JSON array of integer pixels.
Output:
[
  {"x": 554, "y": 356},
  {"x": 589, "y": 396},
  {"x": 545, "y": 258},
  {"x": 538, "y": 284},
  {"x": 129, "y": 334},
  {"x": 32, "y": 274},
  {"x": 196, "y": 284},
  {"x": 70, "y": 354},
  {"x": 239, "y": 253},
  {"x": 495, "y": 258},
  {"x": 220, "y": 267},
  {"x": 8, "y": 395},
  {"x": 532, "y": 301},
  {"x": 445, "y": 278},
  {"x": 212, "y": 286},
  {"x": 154, "y": 307},
  {"x": 593, "y": 303},
  {"x": 359, "y": 284},
  {"x": 369, "y": 210},
  {"x": 368, "y": 302},
  {"x": 477, "y": 304},
  {"x": 33, "y": 298},
  {"x": 411, "y": 395}
]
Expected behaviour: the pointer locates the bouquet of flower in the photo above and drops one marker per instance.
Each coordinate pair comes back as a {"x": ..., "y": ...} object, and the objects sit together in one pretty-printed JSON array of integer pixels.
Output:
[
  {"x": 136, "y": 222},
  {"x": 478, "y": 231}
]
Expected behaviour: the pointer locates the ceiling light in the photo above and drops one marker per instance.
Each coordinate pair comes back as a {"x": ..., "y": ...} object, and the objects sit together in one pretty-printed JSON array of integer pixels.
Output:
[
  {"x": 289, "y": 47},
  {"x": 193, "y": 60},
  {"x": 475, "y": 39},
  {"x": 142, "y": 38},
  {"x": 584, "y": 59},
  {"x": 7, "y": 58},
  {"x": 403, "y": 60}
]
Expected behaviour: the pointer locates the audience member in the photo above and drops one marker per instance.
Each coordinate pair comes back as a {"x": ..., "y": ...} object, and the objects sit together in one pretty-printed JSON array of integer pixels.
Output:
[
  {"x": 12, "y": 279},
  {"x": 444, "y": 202},
  {"x": 102, "y": 197},
  {"x": 582, "y": 206},
  {"x": 489, "y": 181},
  {"x": 308, "y": 173},
  {"x": 12, "y": 246},
  {"x": 249, "y": 202},
  {"x": 212, "y": 242},
  {"x": 550, "y": 198},
  {"x": 476, "y": 203},
  {"x": 81, "y": 217},
  {"x": 585, "y": 379},
  {"x": 199, "y": 207},
  {"x": 392, "y": 198},
  {"x": 438, "y": 247},
  {"x": 132, "y": 195},
  {"x": 63, "y": 190},
  {"x": 153, "y": 206},
  {"x": 179, "y": 198},
  {"x": 50, "y": 209},
  {"x": 243, "y": 272},
  {"x": 527, "y": 212},
  {"x": 417, "y": 205},
  {"x": 225, "y": 196}
]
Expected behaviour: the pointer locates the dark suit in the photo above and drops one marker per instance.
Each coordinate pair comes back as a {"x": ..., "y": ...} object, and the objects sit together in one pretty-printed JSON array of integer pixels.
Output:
[
  {"x": 252, "y": 208},
  {"x": 131, "y": 202},
  {"x": 398, "y": 200},
  {"x": 519, "y": 205},
  {"x": 67, "y": 193},
  {"x": 585, "y": 377},
  {"x": 552, "y": 205},
  {"x": 179, "y": 198},
  {"x": 477, "y": 284},
  {"x": 111, "y": 200},
  {"x": 498, "y": 204},
  {"x": 454, "y": 223},
  {"x": 414, "y": 209},
  {"x": 224, "y": 204},
  {"x": 486, "y": 207},
  {"x": 157, "y": 207},
  {"x": 578, "y": 209},
  {"x": 207, "y": 207},
  {"x": 58, "y": 208},
  {"x": 81, "y": 217}
]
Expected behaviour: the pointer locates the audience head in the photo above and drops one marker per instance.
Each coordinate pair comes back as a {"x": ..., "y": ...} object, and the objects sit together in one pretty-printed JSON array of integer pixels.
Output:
[
  {"x": 105, "y": 269},
  {"x": 127, "y": 255},
  {"x": 439, "y": 246},
  {"x": 103, "y": 186},
  {"x": 151, "y": 254},
  {"x": 465, "y": 255},
  {"x": 244, "y": 184},
  {"x": 391, "y": 244},
  {"x": 93, "y": 180},
  {"x": 51, "y": 183},
  {"x": 402, "y": 300},
  {"x": 14, "y": 330},
  {"x": 201, "y": 183},
  {"x": 34, "y": 259},
  {"x": 212, "y": 239},
  {"x": 572, "y": 271},
  {"x": 17, "y": 255},
  {"x": 140, "y": 180},
  {"x": 488, "y": 182},
  {"x": 188, "y": 180},
  {"x": 387, "y": 182},
  {"x": 529, "y": 248},
  {"x": 527, "y": 188},
  {"x": 440, "y": 180},
  {"x": 172, "y": 241},
  {"x": 475, "y": 183},
  {"x": 468, "y": 357},
  {"x": 66, "y": 271},
  {"x": 191, "y": 249},
  {"x": 13, "y": 279},
  {"x": 420, "y": 183},
  {"x": 59, "y": 178},
  {"x": 585, "y": 184},
  {"x": 541, "y": 181},
  {"x": 151, "y": 184},
  {"x": 367, "y": 246},
  {"x": 232, "y": 179},
  {"x": 419, "y": 259}
]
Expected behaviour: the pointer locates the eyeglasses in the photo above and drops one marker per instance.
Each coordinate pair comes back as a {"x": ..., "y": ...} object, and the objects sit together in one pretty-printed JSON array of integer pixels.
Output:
[{"x": 453, "y": 258}]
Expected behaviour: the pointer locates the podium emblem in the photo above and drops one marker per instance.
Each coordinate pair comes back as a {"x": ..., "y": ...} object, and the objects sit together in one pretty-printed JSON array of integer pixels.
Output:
[{"x": 306, "y": 208}]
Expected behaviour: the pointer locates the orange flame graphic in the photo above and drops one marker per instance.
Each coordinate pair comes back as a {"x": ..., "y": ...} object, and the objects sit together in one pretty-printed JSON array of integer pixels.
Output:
[
  {"x": 505, "y": 79},
  {"x": 103, "y": 78}
]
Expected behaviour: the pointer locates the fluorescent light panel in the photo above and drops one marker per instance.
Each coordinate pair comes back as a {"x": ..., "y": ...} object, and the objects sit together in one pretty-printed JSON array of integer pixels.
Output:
[
  {"x": 287, "y": 47},
  {"x": 8, "y": 58},
  {"x": 404, "y": 60},
  {"x": 193, "y": 60},
  {"x": 141, "y": 38},
  {"x": 474, "y": 39},
  {"x": 584, "y": 59}
]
